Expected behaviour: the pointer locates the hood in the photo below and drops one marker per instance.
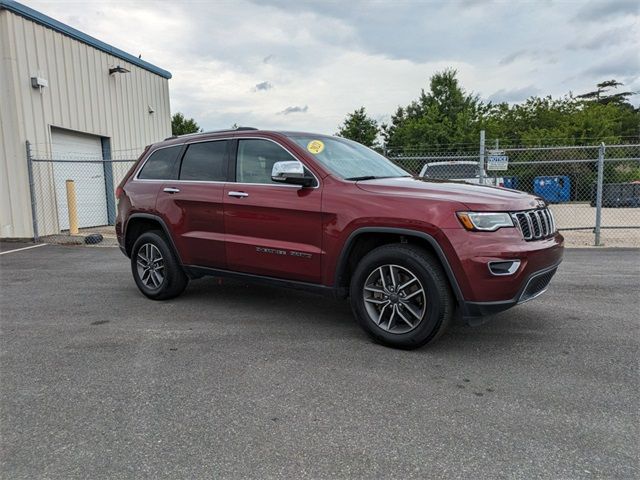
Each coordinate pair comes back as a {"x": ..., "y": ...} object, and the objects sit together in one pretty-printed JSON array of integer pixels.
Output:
[{"x": 475, "y": 197}]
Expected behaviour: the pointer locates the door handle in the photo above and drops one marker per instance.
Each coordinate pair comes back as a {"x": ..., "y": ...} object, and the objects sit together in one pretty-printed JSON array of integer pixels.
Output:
[
  {"x": 238, "y": 194},
  {"x": 171, "y": 190}
]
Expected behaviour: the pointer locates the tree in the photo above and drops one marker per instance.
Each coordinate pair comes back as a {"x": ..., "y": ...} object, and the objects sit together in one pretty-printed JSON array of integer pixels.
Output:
[
  {"x": 444, "y": 115},
  {"x": 447, "y": 118},
  {"x": 601, "y": 95},
  {"x": 182, "y": 126},
  {"x": 358, "y": 126}
]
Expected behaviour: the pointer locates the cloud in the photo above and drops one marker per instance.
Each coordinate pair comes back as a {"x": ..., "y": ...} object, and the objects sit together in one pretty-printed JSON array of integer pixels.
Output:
[
  {"x": 262, "y": 86},
  {"x": 512, "y": 57},
  {"x": 515, "y": 95},
  {"x": 608, "y": 38},
  {"x": 541, "y": 56},
  {"x": 343, "y": 55},
  {"x": 295, "y": 109},
  {"x": 599, "y": 11},
  {"x": 624, "y": 65}
]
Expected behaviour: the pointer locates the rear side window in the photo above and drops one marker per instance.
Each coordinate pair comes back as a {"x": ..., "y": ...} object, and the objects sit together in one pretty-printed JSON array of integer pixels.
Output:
[
  {"x": 161, "y": 164},
  {"x": 206, "y": 161}
]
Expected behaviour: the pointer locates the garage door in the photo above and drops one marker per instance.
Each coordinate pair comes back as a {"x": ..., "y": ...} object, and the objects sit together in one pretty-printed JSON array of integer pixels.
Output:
[{"x": 68, "y": 147}]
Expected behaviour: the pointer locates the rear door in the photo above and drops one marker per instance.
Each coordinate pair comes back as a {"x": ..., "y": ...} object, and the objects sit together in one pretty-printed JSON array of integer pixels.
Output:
[
  {"x": 192, "y": 205},
  {"x": 272, "y": 229}
]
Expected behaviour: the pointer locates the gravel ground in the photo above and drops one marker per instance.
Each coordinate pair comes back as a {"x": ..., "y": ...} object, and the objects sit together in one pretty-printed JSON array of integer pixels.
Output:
[
  {"x": 572, "y": 215},
  {"x": 238, "y": 381}
]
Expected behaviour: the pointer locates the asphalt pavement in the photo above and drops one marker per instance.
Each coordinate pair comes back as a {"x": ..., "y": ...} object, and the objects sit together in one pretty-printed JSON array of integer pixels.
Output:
[{"x": 241, "y": 381}]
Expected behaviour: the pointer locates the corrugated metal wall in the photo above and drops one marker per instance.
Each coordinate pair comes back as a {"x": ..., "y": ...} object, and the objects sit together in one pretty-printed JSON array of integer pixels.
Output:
[{"x": 81, "y": 96}]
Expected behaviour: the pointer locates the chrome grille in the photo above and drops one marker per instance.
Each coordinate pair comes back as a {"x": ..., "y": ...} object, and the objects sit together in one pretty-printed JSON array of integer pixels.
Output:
[{"x": 535, "y": 224}]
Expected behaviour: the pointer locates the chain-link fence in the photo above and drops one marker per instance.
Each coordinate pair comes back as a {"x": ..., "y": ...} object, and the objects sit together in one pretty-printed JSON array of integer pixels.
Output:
[
  {"x": 73, "y": 194},
  {"x": 594, "y": 191}
]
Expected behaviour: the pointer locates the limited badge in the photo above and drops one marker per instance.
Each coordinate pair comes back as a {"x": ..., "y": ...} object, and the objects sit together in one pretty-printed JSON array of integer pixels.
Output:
[{"x": 315, "y": 146}]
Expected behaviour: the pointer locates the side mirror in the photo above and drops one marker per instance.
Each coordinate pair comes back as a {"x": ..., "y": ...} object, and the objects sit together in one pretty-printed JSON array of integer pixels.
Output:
[{"x": 291, "y": 172}]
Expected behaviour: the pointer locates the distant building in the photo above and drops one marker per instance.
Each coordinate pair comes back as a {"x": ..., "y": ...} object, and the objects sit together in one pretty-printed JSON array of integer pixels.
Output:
[{"x": 71, "y": 96}]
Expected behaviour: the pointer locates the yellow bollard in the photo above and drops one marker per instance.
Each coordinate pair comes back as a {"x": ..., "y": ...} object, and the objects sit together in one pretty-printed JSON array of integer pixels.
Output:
[{"x": 72, "y": 207}]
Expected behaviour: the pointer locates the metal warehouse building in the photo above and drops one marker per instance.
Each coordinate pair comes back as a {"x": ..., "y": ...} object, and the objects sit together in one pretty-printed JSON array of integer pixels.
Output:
[{"x": 69, "y": 96}]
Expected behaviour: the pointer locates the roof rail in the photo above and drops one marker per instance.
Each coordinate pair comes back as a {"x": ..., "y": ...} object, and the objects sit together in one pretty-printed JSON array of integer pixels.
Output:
[{"x": 237, "y": 129}]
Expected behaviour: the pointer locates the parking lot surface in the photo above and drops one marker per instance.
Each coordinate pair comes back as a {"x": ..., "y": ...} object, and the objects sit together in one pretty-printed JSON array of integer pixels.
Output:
[{"x": 239, "y": 381}]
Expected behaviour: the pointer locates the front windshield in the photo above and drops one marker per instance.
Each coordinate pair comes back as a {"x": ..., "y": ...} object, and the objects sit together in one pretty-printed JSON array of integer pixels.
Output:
[{"x": 348, "y": 159}]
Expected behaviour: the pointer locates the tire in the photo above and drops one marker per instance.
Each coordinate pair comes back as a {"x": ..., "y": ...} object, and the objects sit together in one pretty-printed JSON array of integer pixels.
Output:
[
  {"x": 411, "y": 319},
  {"x": 165, "y": 279}
]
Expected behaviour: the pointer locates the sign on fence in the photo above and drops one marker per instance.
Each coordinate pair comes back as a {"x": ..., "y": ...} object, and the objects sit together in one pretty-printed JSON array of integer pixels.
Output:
[{"x": 497, "y": 160}]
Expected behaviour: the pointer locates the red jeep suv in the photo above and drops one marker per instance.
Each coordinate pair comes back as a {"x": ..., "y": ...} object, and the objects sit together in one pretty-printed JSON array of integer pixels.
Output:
[{"x": 324, "y": 213}]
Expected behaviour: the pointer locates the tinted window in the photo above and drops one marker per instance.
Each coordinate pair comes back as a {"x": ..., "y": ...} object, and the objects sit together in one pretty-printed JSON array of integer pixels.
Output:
[
  {"x": 256, "y": 158},
  {"x": 161, "y": 165},
  {"x": 206, "y": 161},
  {"x": 452, "y": 170}
]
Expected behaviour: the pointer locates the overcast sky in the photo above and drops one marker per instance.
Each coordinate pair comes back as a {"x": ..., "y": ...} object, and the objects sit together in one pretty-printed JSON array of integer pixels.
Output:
[{"x": 304, "y": 65}]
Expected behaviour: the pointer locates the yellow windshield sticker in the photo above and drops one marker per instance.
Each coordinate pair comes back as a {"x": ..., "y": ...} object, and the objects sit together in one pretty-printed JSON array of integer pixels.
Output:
[{"x": 315, "y": 146}]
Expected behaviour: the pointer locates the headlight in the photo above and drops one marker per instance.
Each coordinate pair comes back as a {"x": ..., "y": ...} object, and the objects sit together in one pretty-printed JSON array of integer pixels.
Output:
[{"x": 485, "y": 221}]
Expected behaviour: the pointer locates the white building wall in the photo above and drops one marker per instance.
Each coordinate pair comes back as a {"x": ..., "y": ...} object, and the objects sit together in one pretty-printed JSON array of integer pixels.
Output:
[{"x": 81, "y": 96}]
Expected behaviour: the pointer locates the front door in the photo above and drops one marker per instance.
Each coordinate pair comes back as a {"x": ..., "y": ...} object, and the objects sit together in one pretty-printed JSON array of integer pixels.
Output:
[
  {"x": 193, "y": 204},
  {"x": 272, "y": 229}
]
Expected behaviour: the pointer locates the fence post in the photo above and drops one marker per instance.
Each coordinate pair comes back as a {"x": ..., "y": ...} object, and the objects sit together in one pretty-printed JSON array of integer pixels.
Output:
[
  {"x": 495, "y": 172},
  {"x": 599, "y": 194},
  {"x": 481, "y": 158},
  {"x": 32, "y": 193}
]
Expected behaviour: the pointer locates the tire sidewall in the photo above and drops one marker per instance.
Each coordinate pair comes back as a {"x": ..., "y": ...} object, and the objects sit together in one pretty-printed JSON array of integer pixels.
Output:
[
  {"x": 431, "y": 322},
  {"x": 170, "y": 265}
]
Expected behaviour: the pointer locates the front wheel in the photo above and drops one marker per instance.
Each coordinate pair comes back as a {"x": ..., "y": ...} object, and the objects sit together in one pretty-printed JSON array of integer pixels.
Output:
[
  {"x": 155, "y": 267},
  {"x": 401, "y": 297}
]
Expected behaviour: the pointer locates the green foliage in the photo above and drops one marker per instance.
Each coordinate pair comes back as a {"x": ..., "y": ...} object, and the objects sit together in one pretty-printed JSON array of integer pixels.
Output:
[
  {"x": 446, "y": 116},
  {"x": 182, "y": 126},
  {"x": 361, "y": 128},
  {"x": 601, "y": 94},
  {"x": 562, "y": 121},
  {"x": 622, "y": 172}
]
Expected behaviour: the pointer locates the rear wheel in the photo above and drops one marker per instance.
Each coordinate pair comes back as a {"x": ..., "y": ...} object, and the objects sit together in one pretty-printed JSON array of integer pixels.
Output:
[
  {"x": 400, "y": 295},
  {"x": 155, "y": 267}
]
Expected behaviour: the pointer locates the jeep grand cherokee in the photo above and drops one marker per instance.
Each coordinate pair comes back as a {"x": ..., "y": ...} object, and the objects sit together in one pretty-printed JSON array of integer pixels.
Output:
[{"x": 302, "y": 210}]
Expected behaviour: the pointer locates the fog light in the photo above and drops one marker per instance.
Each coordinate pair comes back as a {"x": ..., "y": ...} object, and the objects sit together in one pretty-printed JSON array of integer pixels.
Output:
[{"x": 504, "y": 267}]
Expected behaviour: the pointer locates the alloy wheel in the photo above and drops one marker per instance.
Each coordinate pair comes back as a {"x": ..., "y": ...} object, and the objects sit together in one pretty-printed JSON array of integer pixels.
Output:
[
  {"x": 150, "y": 266},
  {"x": 394, "y": 298}
]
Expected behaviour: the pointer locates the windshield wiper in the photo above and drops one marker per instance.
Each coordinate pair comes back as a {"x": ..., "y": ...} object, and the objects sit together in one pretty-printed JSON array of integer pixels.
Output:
[
  {"x": 365, "y": 177},
  {"x": 373, "y": 177}
]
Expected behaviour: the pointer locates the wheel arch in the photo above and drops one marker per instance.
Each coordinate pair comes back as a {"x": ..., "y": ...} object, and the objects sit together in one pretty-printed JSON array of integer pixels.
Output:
[
  {"x": 363, "y": 239},
  {"x": 139, "y": 223}
]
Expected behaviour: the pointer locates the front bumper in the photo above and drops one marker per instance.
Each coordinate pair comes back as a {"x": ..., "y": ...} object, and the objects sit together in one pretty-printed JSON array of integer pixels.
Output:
[
  {"x": 483, "y": 293},
  {"x": 536, "y": 285}
]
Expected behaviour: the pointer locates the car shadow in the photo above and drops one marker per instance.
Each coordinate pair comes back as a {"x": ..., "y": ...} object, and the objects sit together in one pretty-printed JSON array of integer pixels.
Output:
[{"x": 253, "y": 303}]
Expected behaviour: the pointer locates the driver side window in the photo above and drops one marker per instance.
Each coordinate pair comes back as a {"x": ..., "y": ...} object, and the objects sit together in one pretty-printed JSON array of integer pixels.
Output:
[{"x": 255, "y": 160}]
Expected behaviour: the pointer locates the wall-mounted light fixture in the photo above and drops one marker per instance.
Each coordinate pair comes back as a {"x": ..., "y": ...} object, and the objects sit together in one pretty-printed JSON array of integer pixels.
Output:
[
  {"x": 39, "y": 83},
  {"x": 118, "y": 69},
  {"x": 151, "y": 109}
]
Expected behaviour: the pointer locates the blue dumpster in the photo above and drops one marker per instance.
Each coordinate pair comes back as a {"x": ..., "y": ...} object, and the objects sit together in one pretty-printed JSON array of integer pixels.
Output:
[
  {"x": 511, "y": 182},
  {"x": 554, "y": 189}
]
